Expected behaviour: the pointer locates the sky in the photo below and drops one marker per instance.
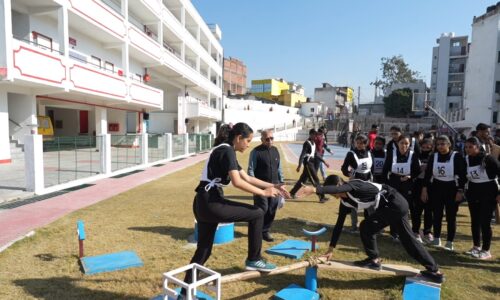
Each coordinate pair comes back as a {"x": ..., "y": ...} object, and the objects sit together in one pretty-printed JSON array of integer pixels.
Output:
[{"x": 340, "y": 42}]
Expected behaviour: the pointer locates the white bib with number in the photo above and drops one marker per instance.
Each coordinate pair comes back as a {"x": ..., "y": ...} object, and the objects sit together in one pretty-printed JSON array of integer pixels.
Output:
[
  {"x": 477, "y": 174},
  {"x": 378, "y": 164},
  {"x": 444, "y": 171},
  {"x": 364, "y": 164},
  {"x": 402, "y": 168}
]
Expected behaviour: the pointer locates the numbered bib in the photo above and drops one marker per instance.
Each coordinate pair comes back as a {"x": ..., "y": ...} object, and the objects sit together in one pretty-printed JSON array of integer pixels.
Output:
[
  {"x": 444, "y": 171},
  {"x": 402, "y": 168},
  {"x": 477, "y": 174}
]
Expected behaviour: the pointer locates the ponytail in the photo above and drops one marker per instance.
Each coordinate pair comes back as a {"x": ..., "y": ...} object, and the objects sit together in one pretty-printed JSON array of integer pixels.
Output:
[{"x": 227, "y": 133}]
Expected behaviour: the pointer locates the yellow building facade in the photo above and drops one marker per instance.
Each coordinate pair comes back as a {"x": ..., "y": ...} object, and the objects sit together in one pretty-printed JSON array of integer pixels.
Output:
[{"x": 277, "y": 90}]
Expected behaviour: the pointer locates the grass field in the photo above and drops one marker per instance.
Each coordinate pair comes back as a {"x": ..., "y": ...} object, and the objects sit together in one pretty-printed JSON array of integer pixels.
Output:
[{"x": 156, "y": 219}]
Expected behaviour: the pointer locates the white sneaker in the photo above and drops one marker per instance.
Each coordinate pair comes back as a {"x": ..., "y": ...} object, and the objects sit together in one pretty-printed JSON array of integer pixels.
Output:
[
  {"x": 419, "y": 238},
  {"x": 436, "y": 242},
  {"x": 428, "y": 238},
  {"x": 484, "y": 255},
  {"x": 448, "y": 246},
  {"x": 473, "y": 251}
]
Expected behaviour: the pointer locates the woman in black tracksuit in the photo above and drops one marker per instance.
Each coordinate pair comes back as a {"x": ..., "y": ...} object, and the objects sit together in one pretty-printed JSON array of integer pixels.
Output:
[
  {"x": 482, "y": 190},
  {"x": 378, "y": 155},
  {"x": 401, "y": 167},
  {"x": 443, "y": 186},
  {"x": 211, "y": 208},
  {"x": 391, "y": 208},
  {"x": 358, "y": 165},
  {"x": 307, "y": 158},
  {"x": 420, "y": 207}
]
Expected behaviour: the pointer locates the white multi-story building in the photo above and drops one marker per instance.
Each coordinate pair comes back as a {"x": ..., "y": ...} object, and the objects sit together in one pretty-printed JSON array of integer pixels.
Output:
[
  {"x": 101, "y": 68},
  {"x": 335, "y": 99},
  {"x": 449, "y": 60},
  {"x": 482, "y": 84}
]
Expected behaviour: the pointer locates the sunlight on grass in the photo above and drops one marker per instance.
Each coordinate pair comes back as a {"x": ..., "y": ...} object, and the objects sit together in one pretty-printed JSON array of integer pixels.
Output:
[{"x": 156, "y": 219}]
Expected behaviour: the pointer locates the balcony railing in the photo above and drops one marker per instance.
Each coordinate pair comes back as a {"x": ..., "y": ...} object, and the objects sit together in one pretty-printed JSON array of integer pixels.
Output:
[
  {"x": 101, "y": 14},
  {"x": 36, "y": 63}
]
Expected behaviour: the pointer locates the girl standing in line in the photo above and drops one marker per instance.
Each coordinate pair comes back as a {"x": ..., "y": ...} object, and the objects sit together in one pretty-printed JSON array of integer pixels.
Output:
[
  {"x": 401, "y": 167},
  {"x": 420, "y": 207},
  {"x": 482, "y": 190},
  {"x": 444, "y": 187},
  {"x": 358, "y": 165}
]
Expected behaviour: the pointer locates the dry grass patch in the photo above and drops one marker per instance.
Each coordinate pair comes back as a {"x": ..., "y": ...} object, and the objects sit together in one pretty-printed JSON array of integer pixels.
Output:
[{"x": 156, "y": 219}]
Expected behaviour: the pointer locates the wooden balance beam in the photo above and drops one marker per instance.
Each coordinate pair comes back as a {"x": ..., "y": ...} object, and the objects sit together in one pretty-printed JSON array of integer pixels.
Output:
[{"x": 387, "y": 269}]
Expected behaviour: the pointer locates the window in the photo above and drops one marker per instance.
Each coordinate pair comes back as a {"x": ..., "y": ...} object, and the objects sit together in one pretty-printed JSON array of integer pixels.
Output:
[
  {"x": 109, "y": 67},
  {"x": 312, "y": 109},
  {"x": 42, "y": 41},
  {"x": 96, "y": 61},
  {"x": 456, "y": 44},
  {"x": 495, "y": 117},
  {"x": 499, "y": 57},
  {"x": 497, "y": 87}
]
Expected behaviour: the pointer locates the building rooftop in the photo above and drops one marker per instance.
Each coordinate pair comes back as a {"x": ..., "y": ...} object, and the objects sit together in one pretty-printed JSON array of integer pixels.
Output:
[{"x": 490, "y": 11}]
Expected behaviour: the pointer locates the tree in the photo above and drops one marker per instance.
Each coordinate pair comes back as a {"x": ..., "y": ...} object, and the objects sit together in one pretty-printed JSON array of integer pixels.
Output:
[
  {"x": 398, "y": 103},
  {"x": 395, "y": 70}
]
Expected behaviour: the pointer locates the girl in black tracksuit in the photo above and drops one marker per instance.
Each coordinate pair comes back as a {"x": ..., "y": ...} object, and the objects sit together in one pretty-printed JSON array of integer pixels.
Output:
[
  {"x": 482, "y": 189},
  {"x": 378, "y": 155},
  {"x": 443, "y": 186},
  {"x": 358, "y": 165},
  {"x": 307, "y": 158},
  {"x": 211, "y": 208},
  {"x": 420, "y": 207},
  {"x": 401, "y": 167},
  {"x": 391, "y": 208}
]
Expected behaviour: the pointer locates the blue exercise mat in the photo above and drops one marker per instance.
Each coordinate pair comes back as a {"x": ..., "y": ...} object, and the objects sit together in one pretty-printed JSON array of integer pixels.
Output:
[
  {"x": 110, "y": 262},
  {"x": 416, "y": 289},
  {"x": 296, "y": 292},
  {"x": 291, "y": 248}
]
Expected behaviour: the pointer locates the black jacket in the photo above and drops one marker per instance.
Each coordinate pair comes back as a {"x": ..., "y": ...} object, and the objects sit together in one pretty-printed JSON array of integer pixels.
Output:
[{"x": 264, "y": 164}]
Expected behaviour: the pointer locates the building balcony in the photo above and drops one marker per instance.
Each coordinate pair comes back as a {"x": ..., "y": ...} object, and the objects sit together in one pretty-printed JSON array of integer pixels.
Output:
[
  {"x": 100, "y": 15},
  {"x": 145, "y": 94},
  {"x": 38, "y": 64},
  {"x": 154, "y": 5},
  {"x": 200, "y": 109},
  {"x": 86, "y": 78},
  {"x": 144, "y": 43}
]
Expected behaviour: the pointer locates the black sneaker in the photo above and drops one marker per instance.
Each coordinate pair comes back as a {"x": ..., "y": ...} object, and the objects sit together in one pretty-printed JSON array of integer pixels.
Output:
[
  {"x": 266, "y": 236},
  {"x": 368, "y": 263},
  {"x": 434, "y": 276}
]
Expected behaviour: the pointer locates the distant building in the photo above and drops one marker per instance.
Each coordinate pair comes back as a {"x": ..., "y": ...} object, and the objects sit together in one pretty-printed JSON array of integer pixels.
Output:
[
  {"x": 482, "y": 77},
  {"x": 278, "y": 90},
  {"x": 335, "y": 99},
  {"x": 449, "y": 60},
  {"x": 235, "y": 76}
]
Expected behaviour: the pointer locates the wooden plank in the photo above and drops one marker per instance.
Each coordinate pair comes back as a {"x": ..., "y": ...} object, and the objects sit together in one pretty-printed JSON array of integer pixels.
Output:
[
  {"x": 254, "y": 274},
  {"x": 387, "y": 269}
]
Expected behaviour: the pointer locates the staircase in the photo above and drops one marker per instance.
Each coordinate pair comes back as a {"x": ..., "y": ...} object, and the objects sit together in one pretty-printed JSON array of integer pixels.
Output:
[{"x": 16, "y": 151}]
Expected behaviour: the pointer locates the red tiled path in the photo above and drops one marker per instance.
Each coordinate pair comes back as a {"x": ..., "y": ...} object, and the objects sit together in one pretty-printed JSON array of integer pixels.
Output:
[{"x": 16, "y": 222}]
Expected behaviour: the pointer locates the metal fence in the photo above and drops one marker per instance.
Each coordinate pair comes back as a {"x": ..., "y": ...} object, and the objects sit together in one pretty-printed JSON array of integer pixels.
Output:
[
  {"x": 178, "y": 143},
  {"x": 126, "y": 151},
  {"x": 157, "y": 147},
  {"x": 68, "y": 158}
]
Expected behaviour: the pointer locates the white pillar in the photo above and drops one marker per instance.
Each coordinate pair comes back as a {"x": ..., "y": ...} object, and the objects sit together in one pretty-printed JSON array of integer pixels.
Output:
[
  {"x": 62, "y": 30},
  {"x": 196, "y": 126},
  {"x": 104, "y": 139},
  {"x": 6, "y": 57},
  {"x": 5, "y": 156},
  {"x": 168, "y": 145},
  {"x": 33, "y": 162},
  {"x": 186, "y": 143},
  {"x": 144, "y": 147}
]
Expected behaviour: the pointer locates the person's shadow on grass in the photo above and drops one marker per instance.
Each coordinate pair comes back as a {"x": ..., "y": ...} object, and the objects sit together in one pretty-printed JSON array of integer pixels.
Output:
[
  {"x": 66, "y": 288},
  {"x": 177, "y": 233}
]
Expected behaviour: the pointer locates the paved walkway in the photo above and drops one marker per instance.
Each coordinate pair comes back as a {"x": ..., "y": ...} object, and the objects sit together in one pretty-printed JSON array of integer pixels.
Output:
[
  {"x": 335, "y": 160},
  {"x": 17, "y": 222}
]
